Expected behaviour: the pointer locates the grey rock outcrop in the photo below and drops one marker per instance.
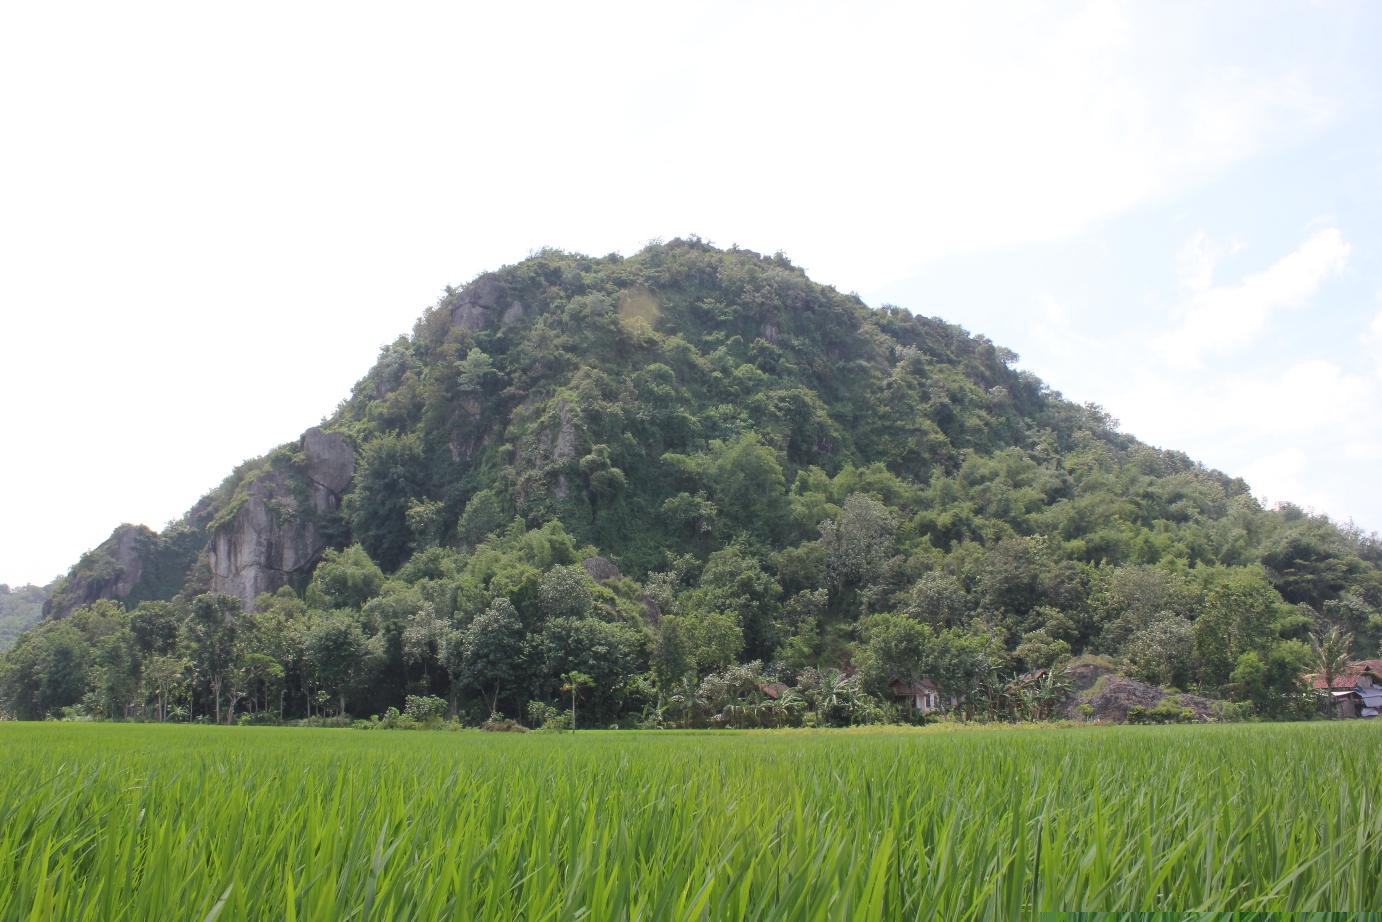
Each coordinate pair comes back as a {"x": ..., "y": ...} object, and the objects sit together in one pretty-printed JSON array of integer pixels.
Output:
[
  {"x": 566, "y": 436},
  {"x": 111, "y": 571},
  {"x": 1110, "y": 696},
  {"x": 330, "y": 466},
  {"x": 473, "y": 307},
  {"x": 601, "y": 569},
  {"x": 269, "y": 541}
]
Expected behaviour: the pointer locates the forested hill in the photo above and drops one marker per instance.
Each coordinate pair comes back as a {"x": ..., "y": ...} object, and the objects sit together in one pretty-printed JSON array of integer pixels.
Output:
[{"x": 752, "y": 466}]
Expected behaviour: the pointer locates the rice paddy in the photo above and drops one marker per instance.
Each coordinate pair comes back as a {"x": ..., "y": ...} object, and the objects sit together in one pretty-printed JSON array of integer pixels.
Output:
[{"x": 157, "y": 822}]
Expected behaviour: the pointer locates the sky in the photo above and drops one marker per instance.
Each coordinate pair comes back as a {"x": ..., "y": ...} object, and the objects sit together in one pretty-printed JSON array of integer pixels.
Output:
[{"x": 213, "y": 216}]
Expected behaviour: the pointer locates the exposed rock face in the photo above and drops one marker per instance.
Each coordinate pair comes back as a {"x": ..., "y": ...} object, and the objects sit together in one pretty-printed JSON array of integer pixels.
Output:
[
  {"x": 651, "y": 607},
  {"x": 111, "y": 571},
  {"x": 566, "y": 435},
  {"x": 601, "y": 569},
  {"x": 472, "y": 309},
  {"x": 269, "y": 540},
  {"x": 330, "y": 465}
]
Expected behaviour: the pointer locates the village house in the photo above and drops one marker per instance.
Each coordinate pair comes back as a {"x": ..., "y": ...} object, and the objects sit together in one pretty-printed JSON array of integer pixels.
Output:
[
  {"x": 922, "y": 696},
  {"x": 1356, "y": 692}
]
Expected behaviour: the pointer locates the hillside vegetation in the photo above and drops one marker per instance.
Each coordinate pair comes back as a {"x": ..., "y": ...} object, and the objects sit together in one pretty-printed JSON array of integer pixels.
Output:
[
  {"x": 20, "y": 609},
  {"x": 647, "y": 472}
]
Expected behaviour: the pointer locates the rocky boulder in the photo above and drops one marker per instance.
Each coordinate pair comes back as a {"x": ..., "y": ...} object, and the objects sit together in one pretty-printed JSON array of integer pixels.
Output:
[
  {"x": 1110, "y": 697},
  {"x": 601, "y": 569}
]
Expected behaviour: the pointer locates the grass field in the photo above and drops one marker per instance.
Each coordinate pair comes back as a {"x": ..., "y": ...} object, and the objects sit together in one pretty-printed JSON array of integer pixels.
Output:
[{"x": 161, "y": 822}]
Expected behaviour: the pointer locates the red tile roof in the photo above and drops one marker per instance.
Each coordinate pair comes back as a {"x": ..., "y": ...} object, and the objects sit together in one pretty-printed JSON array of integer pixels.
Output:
[{"x": 1349, "y": 678}]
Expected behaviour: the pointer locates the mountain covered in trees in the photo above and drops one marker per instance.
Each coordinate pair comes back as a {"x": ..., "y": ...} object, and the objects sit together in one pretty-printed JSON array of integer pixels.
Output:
[{"x": 636, "y": 476}]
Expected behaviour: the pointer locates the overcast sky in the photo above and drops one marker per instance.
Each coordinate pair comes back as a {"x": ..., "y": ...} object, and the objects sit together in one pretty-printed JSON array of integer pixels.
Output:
[{"x": 212, "y": 216}]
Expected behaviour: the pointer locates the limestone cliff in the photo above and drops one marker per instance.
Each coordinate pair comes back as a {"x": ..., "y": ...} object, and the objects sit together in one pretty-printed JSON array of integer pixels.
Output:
[
  {"x": 271, "y": 532},
  {"x": 111, "y": 571}
]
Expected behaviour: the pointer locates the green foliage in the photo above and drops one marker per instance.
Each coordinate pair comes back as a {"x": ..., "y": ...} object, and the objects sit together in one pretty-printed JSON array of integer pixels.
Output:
[
  {"x": 895, "y": 647},
  {"x": 340, "y": 654},
  {"x": 1167, "y": 711},
  {"x": 489, "y": 654},
  {"x": 483, "y": 516},
  {"x": 388, "y": 481},
  {"x": 344, "y": 579},
  {"x": 20, "y": 609}
]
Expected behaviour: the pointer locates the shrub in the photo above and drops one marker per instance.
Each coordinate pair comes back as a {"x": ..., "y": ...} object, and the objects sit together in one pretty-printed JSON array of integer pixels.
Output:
[{"x": 1167, "y": 711}]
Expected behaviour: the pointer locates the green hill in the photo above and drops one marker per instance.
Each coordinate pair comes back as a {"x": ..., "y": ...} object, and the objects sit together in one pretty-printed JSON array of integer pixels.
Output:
[{"x": 749, "y": 466}]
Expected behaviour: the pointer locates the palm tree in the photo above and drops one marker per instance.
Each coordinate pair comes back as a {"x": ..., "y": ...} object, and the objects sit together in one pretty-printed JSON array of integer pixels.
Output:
[{"x": 1331, "y": 658}]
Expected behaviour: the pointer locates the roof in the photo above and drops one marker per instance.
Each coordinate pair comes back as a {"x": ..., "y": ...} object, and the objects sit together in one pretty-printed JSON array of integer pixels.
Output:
[
  {"x": 773, "y": 690},
  {"x": 900, "y": 687},
  {"x": 1349, "y": 678}
]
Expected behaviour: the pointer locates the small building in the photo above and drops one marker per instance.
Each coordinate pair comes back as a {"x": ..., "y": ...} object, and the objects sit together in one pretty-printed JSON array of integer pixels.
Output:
[
  {"x": 773, "y": 690},
  {"x": 1357, "y": 691},
  {"x": 922, "y": 696}
]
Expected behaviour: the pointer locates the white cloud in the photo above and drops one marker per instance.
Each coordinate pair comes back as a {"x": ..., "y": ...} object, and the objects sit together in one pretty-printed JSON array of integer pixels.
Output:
[
  {"x": 1223, "y": 318},
  {"x": 1277, "y": 477}
]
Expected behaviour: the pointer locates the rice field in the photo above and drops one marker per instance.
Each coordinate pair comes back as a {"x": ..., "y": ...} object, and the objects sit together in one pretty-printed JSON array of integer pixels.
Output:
[{"x": 173, "y": 822}]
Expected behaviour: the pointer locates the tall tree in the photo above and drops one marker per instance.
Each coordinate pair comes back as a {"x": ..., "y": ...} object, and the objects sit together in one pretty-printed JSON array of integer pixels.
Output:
[
  {"x": 211, "y": 630},
  {"x": 1330, "y": 659},
  {"x": 489, "y": 653},
  {"x": 341, "y": 654}
]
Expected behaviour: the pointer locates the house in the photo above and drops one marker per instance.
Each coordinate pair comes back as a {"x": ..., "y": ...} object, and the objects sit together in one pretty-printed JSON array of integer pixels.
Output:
[
  {"x": 923, "y": 695},
  {"x": 773, "y": 690},
  {"x": 1357, "y": 691}
]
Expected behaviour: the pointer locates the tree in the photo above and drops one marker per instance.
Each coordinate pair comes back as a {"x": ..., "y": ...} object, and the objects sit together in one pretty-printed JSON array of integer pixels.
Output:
[
  {"x": 387, "y": 481},
  {"x": 344, "y": 579},
  {"x": 483, "y": 515},
  {"x": 716, "y": 639},
  {"x": 857, "y": 544},
  {"x": 894, "y": 647},
  {"x": 605, "y": 652},
  {"x": 746, "y": 483},
  {"x": 489, "y": 654},
  {"x": 1162, "y": 653},
  {"x": 155, "y": 626},
  {"x": 424, "y": 639},
  {"x": 573, "y": 682},
  {"x": 475, "y": 373},
  {"x": 262, "y": 674},
  {"x": 734, "y": 583},
  {"x": 340, "y": 653},
  {"x": 671, "y": 658},
  {"x": 957, "y": 658},
  {"x": 1330, "y": 653},
  {"x": 937, "y": 599},
  {"x": 211, "y": 630},
  {"x": 798, "y": 627},
  {"x": 564, "y": 592},
  {"x": 165, "y": 672},
  {"x": 1239, "y": 617},
  {"x": 1040, "y": 650}
]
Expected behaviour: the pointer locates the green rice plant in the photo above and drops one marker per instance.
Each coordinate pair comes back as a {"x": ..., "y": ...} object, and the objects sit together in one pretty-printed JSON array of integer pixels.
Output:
[{"x": 132, "y": 822}]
